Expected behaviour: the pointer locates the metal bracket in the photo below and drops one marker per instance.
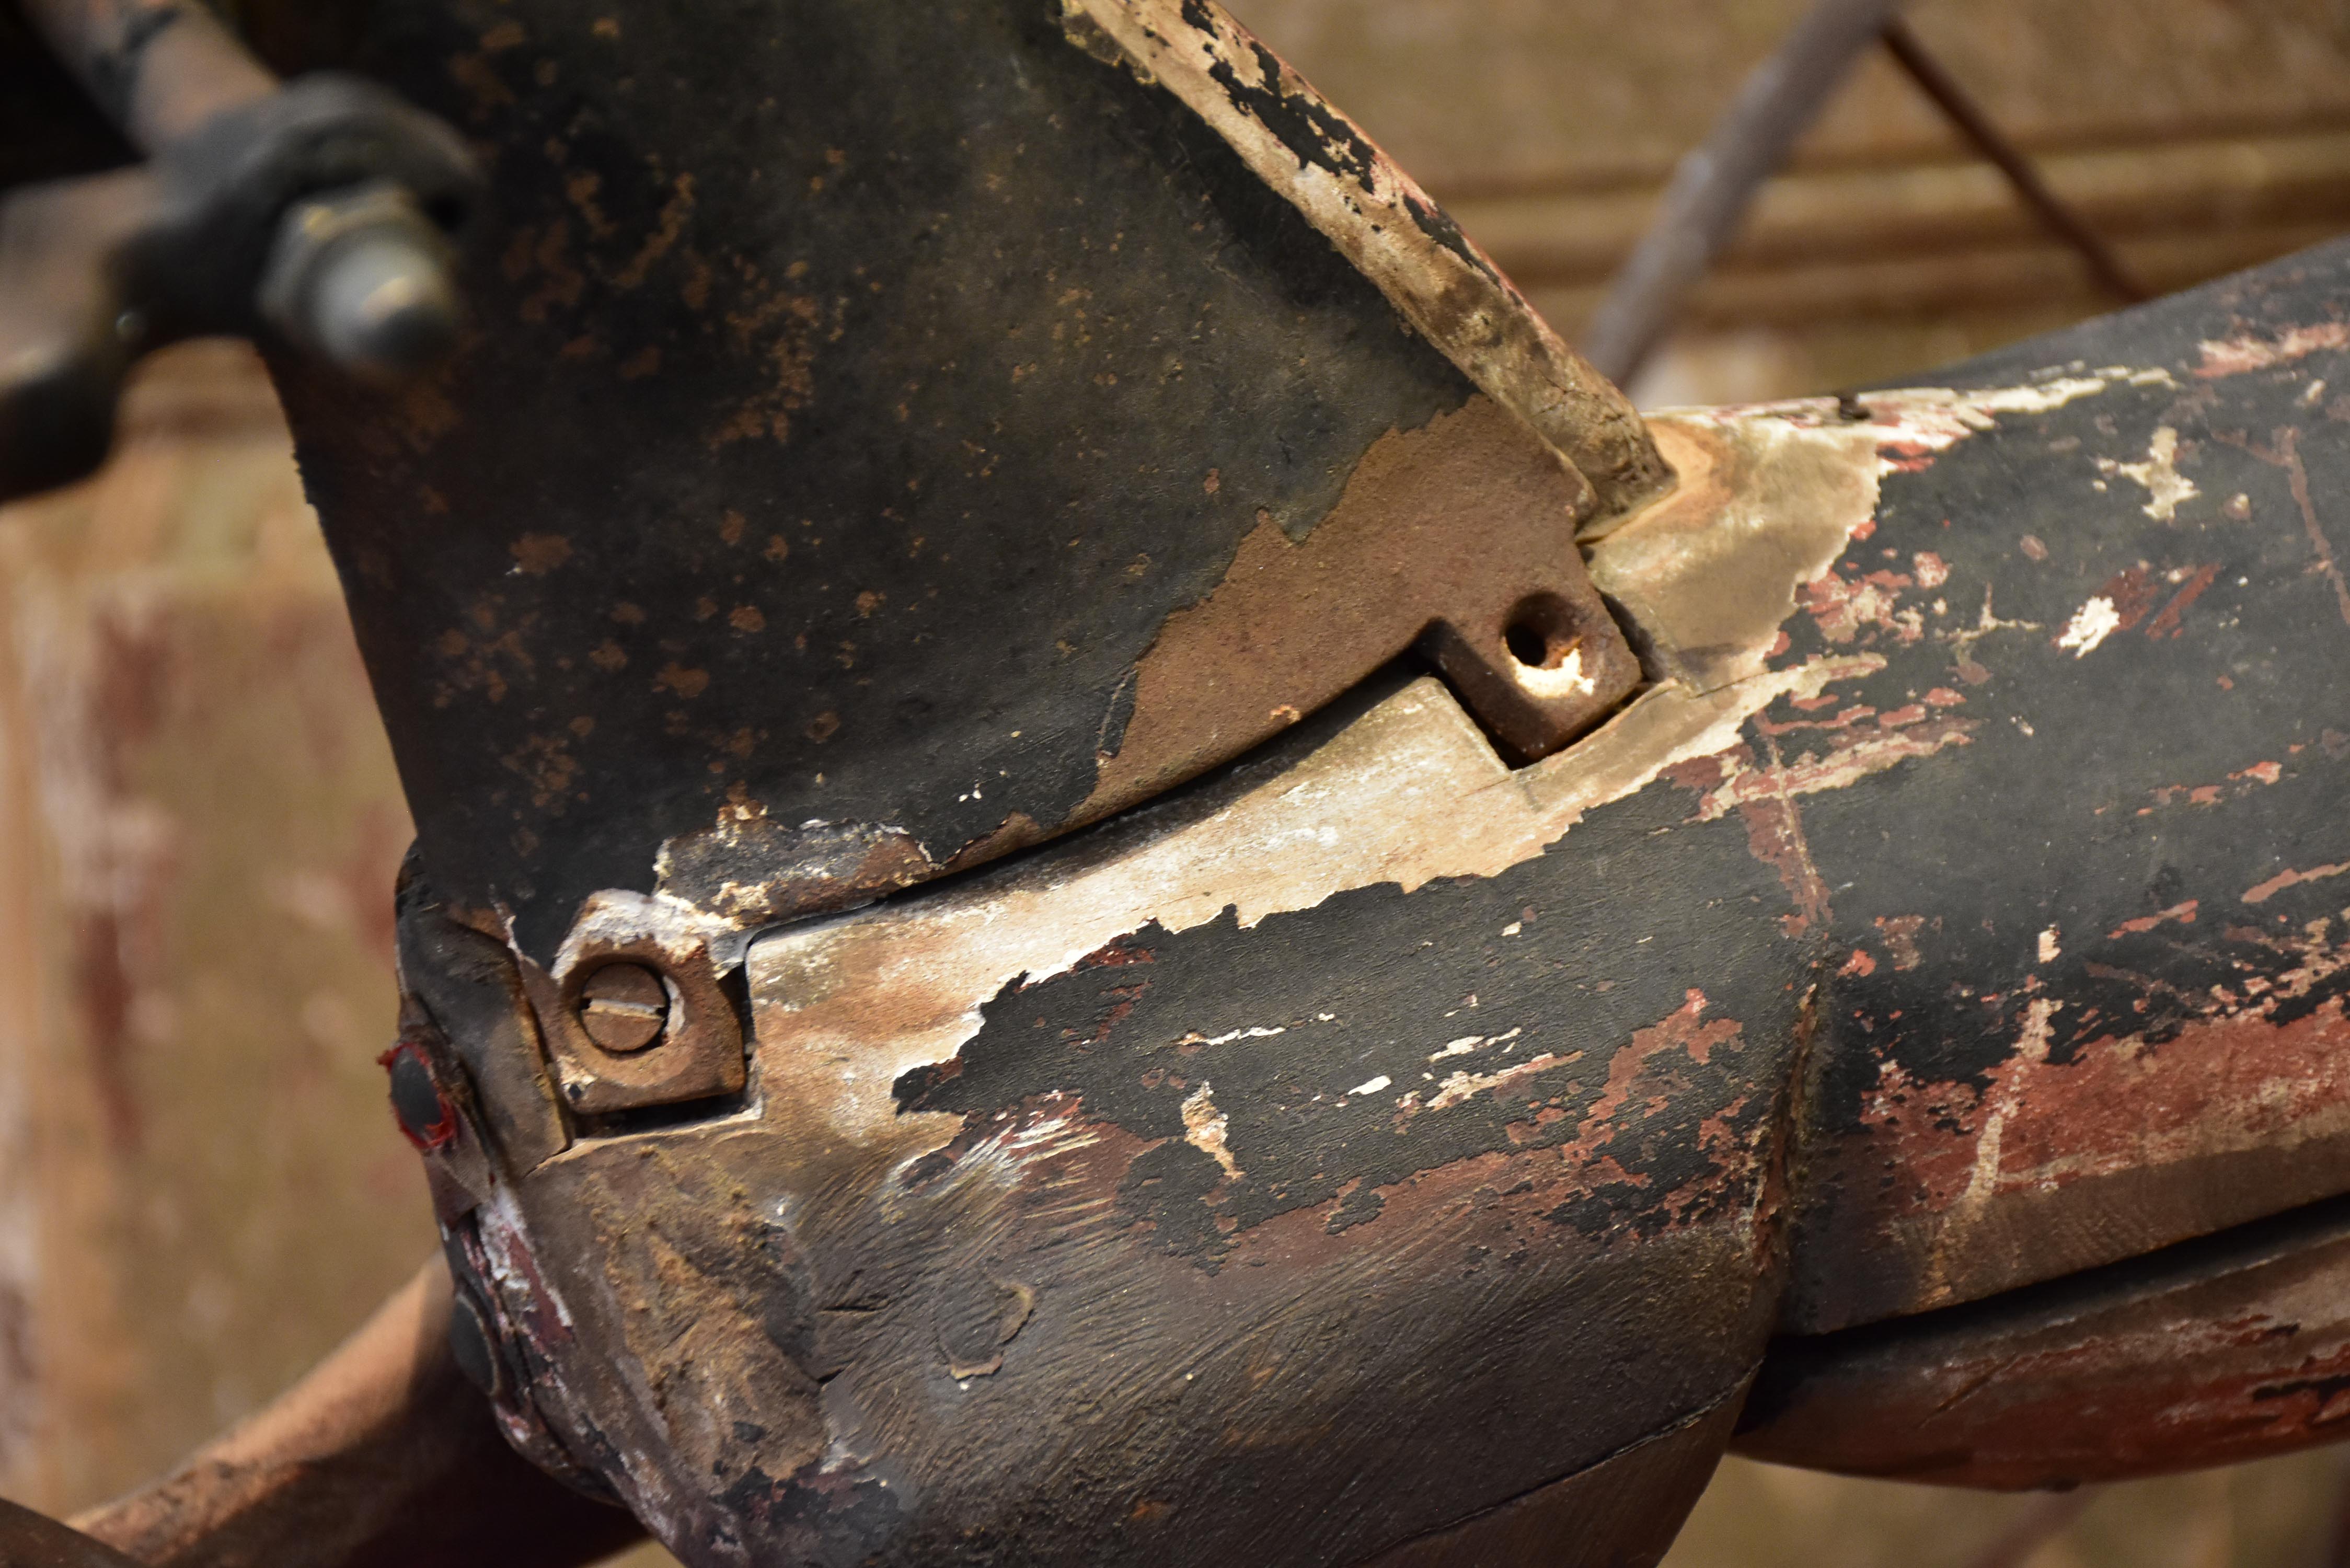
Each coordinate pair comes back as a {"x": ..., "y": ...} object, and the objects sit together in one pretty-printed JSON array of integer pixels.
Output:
[{"x": 318, "y": 212}]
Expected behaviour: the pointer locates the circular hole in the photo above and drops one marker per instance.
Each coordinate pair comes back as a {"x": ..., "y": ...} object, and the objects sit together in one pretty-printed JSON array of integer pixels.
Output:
[{"x": 1527, "y": 643}]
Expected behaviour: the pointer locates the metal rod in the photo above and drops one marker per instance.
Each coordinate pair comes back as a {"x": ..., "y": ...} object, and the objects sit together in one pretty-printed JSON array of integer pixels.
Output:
[
  {"x": 1972, "y": 122},
  {"x": 158, "y": 69},
  {"x": 1712, "y": 186},
  {"x": 2035, "y": 1527}
]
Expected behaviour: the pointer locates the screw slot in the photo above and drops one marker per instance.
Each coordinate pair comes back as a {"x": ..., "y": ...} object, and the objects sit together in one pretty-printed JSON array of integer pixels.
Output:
[{"x": 624, "y": 1007}]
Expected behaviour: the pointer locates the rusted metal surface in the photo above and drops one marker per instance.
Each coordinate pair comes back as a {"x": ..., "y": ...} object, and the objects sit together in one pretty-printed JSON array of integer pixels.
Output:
[
  {"x": 1368, "y": 1146},
  {"x": 866, "y": 545},
  {"x": 380, "y": 1456},
  {"x": 314, "y": 211},
  {"x": 2084, "y": 1000},
  {"x": 2222, "y": 1348},
  {"x": 1381, "y": 221},
  {"x": 700, "y": 1051},
  {"x": 1450, "y": 537},
  {"x": 1249, "y": 1123}
]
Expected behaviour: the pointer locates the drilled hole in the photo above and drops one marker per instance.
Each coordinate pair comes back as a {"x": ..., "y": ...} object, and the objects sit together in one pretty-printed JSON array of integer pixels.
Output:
[{"x": 1527, "y": 643}]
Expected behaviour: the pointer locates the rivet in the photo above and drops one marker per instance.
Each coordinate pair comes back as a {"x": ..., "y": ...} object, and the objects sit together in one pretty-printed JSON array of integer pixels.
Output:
[
  {"x": 423, "y": 1112},
  {"x": 472, "y": 1345},
  {"x": 624, "y": 1007}
]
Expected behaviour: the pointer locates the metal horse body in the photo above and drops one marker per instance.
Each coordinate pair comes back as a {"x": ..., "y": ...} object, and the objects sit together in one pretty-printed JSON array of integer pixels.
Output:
[{"x": 1109, "y": 869}]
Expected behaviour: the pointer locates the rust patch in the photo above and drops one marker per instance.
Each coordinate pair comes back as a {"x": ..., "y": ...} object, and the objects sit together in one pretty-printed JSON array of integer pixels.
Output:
[
  {"x": 539, "y": 554},
  {"x": 2261, "y": 893},
  {"x": 1456, "y": 525}
]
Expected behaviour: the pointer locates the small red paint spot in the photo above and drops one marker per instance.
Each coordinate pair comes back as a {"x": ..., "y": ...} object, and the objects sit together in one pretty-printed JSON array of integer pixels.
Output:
[
  {"x": 2032, "y": 548},
  {"x": 2168, "y": 622},
  {"x": 1859, "y": 963},
  {"x": 2226, "y": 684},
  {"x": 1900, "y": 716},
  {"x": 1115, "y": 953},
  {"x": 2267, "y": 773},
  {"x": 2132, "y": 593},
  {"x": 1943, "y": 697},
  {"x": 1866, "y": 530}
]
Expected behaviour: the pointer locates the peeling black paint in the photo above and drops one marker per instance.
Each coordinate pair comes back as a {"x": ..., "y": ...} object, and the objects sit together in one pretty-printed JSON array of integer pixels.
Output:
[
  {"x": 2075, "y": 806},
  {"x": 875, "y": 458},
  {"x": 1315, "y": 135},
  {"x": 1281, "y": 1046}
]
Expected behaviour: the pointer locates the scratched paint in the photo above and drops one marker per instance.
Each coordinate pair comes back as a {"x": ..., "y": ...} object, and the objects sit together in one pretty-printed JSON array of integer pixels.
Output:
[
  {"x": 1372, "y": 1086},
  {"x": 2123, "y": 1050}
]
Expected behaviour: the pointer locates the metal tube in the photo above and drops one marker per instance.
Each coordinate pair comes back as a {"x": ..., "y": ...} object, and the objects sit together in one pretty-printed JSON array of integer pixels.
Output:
[
  {"x": 1972, "y": 122},
  {"x": 158, "y": 69},
  {"x": 1712, "y": 185}
]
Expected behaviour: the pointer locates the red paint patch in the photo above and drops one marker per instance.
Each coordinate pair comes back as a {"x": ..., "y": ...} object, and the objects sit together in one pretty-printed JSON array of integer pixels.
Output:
[
  {"x": 2168, "y": 622},
  {"x": 2230, "y": 1082},
  {"x": 2183, "y": 913},
  {"x": 2132, "y": 593},
  {"x": 2262, "y": 892}
]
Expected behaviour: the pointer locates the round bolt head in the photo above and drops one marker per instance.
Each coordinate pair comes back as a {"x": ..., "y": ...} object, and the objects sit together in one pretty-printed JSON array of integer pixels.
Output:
[
  {"x": 472, "y": 1345},
  {"x": 363, "y": 277},
  {"x": 424, "y": 1114},
  {"x": 383, "y": 304},
  {"x": 624, "y": 1007}
]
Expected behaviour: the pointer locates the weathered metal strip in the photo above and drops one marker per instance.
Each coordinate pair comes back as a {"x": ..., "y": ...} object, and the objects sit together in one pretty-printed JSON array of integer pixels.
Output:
[
  {"x": 1382, "y": 221},
  {"x": 815, "y": 511},
  {"x": 2226, "y": 1348}
]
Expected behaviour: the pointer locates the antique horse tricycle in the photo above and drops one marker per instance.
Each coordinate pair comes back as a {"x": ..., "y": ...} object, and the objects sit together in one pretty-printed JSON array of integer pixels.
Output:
[{"x": 1109, "y": 869}]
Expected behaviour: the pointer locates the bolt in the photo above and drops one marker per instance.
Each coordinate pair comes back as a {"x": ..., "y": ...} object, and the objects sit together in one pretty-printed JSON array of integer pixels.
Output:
[
  {"x": 474, "y": 1345},
  {"x": 624, "y": 1007},
  {"x": 384, "y": 306},
  {"x": 362, "y": 277},
  {"x": 423, "y": 1111}
]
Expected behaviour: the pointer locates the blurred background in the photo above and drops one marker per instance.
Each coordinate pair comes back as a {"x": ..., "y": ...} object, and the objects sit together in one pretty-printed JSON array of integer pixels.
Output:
[{"x": 201, "y": 1189}]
